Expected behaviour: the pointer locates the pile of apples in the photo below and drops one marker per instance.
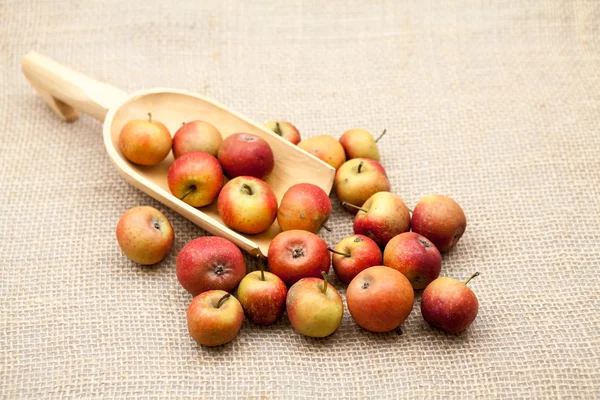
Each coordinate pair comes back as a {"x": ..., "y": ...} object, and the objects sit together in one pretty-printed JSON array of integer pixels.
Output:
[{"x": 383, "y": 262}]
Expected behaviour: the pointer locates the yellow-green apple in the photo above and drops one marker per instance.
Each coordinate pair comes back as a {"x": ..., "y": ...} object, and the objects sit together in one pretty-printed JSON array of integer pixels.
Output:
[
  {"x": 325, "y": 147},
  {"x": 304, "y": 206},
  {"x": 196, "y": 136},
  {"x": 440, "y": 219},
  {"x": 415, "y": 256},
  {"x": 297, "y": 254},
  {"x": 247, "y": 204},
  {"x": 214, "y": 318},
  {"x": 145, "y": 235},
  {"x": 145, "y": 142},
  {"x": 353, "y": 255},
  {"x": 210, "y": 263},
  {"x": 383, "y": 216},
  {"x": 244, "y": 154},
  {"x": 314, "y": 307},
  {"x": 262, "y": 295},
  {"x": 284, "y": 129},
  {"x": 358, "y": 179},
  {"x": 380, "y": 299},
  {"x": 195, "y": 178},
  {"x": 448, "y": 304},
  {"x": 359, "y": 143}
]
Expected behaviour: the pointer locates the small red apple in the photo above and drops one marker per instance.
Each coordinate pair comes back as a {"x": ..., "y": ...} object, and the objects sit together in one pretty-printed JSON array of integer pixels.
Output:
[
  {"x": 304, "y": 206},
  {"x": 209, "y": 263},
  {"x": 297, "y": 254},
  {"x": 145, "y": 142},
  {"x": 448, "y": 304},
  {"x": 145, "y": 235},
  {"x": 383, "y": 216},
  {"x": 214, "y": 318},
  {"x": 326, "y": 148},
  {"x": 196, "y": 136},
  {"x": 262, "y": 295},
  {"x": 359, "y": 143},
  {"x": 353, "y": 255},
  {"x": 358, "y": 179},
  {"x": 440, "y": 219},
  {"x": 285, "y": 130},
  {"x": 380, "y": 299},
  {"x": 243, "y": 154},
  {"x": 247, "y": 205},
  {"x": 314, "y": 307},
  {"x": 195, "y": 178},
  {"x": 415, "y": 256}
]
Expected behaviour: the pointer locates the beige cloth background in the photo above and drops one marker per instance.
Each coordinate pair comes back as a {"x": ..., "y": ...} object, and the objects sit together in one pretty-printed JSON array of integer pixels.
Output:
[{"x": 494, "y": 103}]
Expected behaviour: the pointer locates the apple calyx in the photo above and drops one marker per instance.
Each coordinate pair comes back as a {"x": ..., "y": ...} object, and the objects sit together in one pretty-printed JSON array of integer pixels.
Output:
[
  {"x": 338, "y": 252},
  {"x": 222, "y": 300},
  {"x": 472, "y": 276},
  {"x": 247, "y": 189},
  {"x": 344, "y": 203},
  {"x": 149, "y": 117},
  {"x": 324, "y": 290},
  {"x": 380, "y": 136},
  {"x": 189, "y": 191},
  {"x": 360, "y": 164}
]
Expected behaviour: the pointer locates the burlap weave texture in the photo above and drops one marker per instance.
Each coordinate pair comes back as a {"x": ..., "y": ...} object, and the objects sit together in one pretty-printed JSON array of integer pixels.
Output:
[{"x": 494, "y": 103}]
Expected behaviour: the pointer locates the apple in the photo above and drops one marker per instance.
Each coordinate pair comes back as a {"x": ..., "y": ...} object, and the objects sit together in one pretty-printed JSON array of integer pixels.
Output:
[
  {"x": 262, "y": 295},
  {"x": 214, "y": 318},
  {"x": 325, "y": 147},
  {"x": 304, "y": 206},
  {"x": 359, "y": 143},
  {"x": 196, "y": 136},
  {"x": 440, "y": 219},
  {"x": 284, "y": 129},
  {"x": 358, "y": 179},
  {"x": 243, "y": 154},
  {"x": 314, "y": 307},
  {"x": 380, "y": 299},
  {"x": 448, "y": 304},
  {"x": 415, "y": 256},
  {"x": 297, "y": 254},
  {"x": 353, "y": 255},
  {"x": 247, "y": 204},
  {"x": 145, "y": 142},
  {"x": 210, "y": 263},
  {"x": 195, "y": 178},
  {"x": 145, "y": 235},
  {"x": 383, "y": 216}
]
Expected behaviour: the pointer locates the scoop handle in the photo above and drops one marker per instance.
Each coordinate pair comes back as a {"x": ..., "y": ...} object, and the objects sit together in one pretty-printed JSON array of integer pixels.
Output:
[{"x": 66, "y": 91}]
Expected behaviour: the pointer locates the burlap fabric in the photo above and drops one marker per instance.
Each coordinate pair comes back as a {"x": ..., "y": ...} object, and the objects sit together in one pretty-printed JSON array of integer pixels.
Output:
[{"x": 494, "y": 103}]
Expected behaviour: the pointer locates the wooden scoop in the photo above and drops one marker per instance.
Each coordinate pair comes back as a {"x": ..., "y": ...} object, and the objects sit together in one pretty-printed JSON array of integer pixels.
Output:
[{"x": 67, "y": 92}]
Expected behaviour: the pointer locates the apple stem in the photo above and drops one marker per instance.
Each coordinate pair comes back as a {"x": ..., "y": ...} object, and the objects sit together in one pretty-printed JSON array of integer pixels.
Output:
[
  {"x": 328, "y": 229},
  {"x": 186, "y": 194},
  {"x": 247, "y": 188},
  {"x": 222, "y": 300},
  {"x": 150, "y": 117},
  {"x": 261, "y": 267},
  {"x": 360, "y": 166},
  {"x": 472, "y": 276},
  {"x": 411, "y": 211},
  {"x": 380, "y": 136},
  {"x": 324, "y": 282},
  {"x": 353, "y": 206},
  {"x": 278, "y": 129},
  {"x": 338, "y": 252}
]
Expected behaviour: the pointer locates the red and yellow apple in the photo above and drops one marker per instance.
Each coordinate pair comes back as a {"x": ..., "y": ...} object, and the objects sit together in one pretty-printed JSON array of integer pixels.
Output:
[
  {"x": 304, "y": 206},
  {"x": 244, "y": 154},
  {"x": 247, "y": 204},
  {"x": 210, "y": 263},
  {"x": 197, "y": 136},
  {"x": 359, "y": 143},
  {"x": 195, "y": 178},
  {"x": 440, "y": 219},
  {"x": 358, "y": 179},
  {"x": 325, "y": 147},
  {"x": 145, "y": 142},
  {"x": 145, "y": 235},
  {"x": 214, "y": 318},
  {"x": 380, "y": 299},
  {"x": 353, "y": 255},
  {"x": 262, "y": 295},
  {"x": 284, "y": 129}
]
